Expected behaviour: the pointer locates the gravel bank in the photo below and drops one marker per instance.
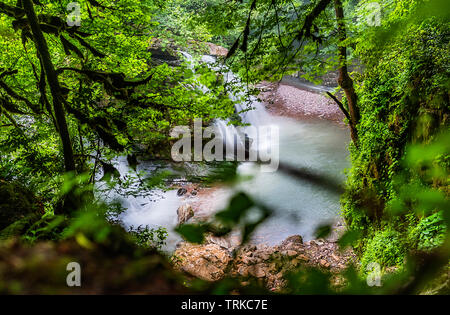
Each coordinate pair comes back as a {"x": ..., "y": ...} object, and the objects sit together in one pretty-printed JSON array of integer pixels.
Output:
[{"x": 289, "y": 101}]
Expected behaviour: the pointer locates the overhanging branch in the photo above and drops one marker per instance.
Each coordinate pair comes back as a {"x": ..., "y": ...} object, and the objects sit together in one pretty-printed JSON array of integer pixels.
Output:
[{"x": 341, "y": 106}]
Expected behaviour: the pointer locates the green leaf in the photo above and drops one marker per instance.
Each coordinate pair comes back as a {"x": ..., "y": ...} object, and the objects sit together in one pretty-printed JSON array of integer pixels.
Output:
[
  {"x": 349, "y": 238},
  {"x": 237, "y": 208},
  {"x": 193, "y": 233},
  {"x": 323, "y": 231}
]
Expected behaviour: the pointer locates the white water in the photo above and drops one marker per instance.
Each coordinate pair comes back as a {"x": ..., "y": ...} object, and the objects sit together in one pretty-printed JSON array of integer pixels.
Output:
[{"x": 299, "y": 207}]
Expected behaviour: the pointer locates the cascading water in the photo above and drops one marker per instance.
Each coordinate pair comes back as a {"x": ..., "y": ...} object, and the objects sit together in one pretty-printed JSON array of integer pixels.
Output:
[
  {"x": 299, "y": 207},
  {"x": 255, "y": 116}
]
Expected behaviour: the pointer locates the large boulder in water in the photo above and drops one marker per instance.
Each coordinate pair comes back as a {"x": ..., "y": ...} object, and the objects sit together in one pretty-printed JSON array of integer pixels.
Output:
[{"x": 184, "y": 212}]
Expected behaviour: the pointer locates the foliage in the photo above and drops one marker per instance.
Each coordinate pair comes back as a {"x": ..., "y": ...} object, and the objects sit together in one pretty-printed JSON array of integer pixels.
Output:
[
  {"x": 138, "y": 108},
  {"x": 403, "y": 96},
  {"x": 387, "y": 248},
  {"x": 118, "y": 100},
  {"x": 429, "y": 233},
  {"x": 149, "y": 237}
]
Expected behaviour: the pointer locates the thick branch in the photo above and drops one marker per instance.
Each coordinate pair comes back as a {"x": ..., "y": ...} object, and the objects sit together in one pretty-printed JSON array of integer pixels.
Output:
[
  {"x": 319, "y": 8},
  {"x": 52, "y": 79},
  {"x": 18, "y": 97}
]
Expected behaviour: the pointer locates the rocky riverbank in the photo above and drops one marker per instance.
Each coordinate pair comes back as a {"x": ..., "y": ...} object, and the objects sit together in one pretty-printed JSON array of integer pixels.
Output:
[{"x": 220, "y": 257}]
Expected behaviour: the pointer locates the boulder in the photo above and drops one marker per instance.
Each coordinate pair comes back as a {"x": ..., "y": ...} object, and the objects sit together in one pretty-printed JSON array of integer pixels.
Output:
[
  {"x": 217, "y": 50},
  {"x": 221, "y": 241},
  {"x": 291, "y": 253},
  {"x": 294, "y": 239},
  {"x": 207, "y": 262},
  {"x": 229, "y": 242},
  {"x": 164, "y": 53},
  {"x": 184, "y": 212},
  {"x": 258, "y": 270}
]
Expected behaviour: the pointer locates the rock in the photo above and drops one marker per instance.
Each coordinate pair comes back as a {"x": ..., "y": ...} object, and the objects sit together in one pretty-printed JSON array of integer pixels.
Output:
[
  {"x": 295, "y": 262},
  {"x": 267, "y": 263},
  {"x": 235, "y": 240},
  {"x": 272, "y": 267},
  {"x": 164, "y": 53},
  {"x": 248, "y": 260},
  {"x": 207, "y": 262},
  {"x": 257, "y": 271},
  {"x": 184, "y": 212},
  {"x": 217, "y": 50},
  {"x": 294, "y": 239},
  {"x": 221, "y": 241},
  {"x": 324, "y": 263},
  {"x": 181, "y": 192},
  {"x": 303, "y": 257},
  {"x": 264, "y": 256},
  {"x": 335, "y": 257},
  {"x": 291, "y": 253},
  {"x": 243, "y": 271}
]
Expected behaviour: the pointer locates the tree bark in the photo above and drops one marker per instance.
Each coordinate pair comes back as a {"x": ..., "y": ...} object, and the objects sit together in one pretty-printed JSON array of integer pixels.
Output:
[
  {"x": 58, "y": 107},
  {"x": 344, "y": 80}
]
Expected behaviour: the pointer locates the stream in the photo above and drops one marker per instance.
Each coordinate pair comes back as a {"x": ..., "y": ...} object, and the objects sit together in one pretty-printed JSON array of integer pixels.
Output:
[{"x": 299, "y": 207}]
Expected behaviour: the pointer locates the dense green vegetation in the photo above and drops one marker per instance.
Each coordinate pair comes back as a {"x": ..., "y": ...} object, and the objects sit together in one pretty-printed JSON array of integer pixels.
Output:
[
  {"x": 74, "y": 98},
  {"x": 402, "y": 101}
]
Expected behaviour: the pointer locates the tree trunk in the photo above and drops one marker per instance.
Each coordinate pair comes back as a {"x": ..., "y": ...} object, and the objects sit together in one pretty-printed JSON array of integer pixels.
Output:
[
  {"x": 52, "y": 79},
  {"x": 344, "y": 80}
]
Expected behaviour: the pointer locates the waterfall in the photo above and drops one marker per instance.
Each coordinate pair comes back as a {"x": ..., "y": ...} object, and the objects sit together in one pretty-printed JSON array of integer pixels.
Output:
[{"x": 252, "y": 112}]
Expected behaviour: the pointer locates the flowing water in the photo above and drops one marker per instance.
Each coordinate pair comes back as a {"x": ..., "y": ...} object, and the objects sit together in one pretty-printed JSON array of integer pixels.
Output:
[{"x": 299, "y": 207}]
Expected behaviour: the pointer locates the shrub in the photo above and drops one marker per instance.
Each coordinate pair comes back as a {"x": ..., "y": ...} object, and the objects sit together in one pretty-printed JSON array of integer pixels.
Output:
[
  {"x": 387, "y": 248},
  {"x": 429, "y": 233}
]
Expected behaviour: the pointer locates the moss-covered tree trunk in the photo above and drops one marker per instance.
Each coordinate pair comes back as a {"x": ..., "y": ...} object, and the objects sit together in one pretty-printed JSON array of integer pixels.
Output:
[
  {"x": 52, "y": 79},
  {"x": 344, "y": 80}
]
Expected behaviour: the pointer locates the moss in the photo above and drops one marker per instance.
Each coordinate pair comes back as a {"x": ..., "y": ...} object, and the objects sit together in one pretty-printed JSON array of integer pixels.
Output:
[
  {"x": 19, "y": 227},
  {"x": 16, "y": 203}
]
